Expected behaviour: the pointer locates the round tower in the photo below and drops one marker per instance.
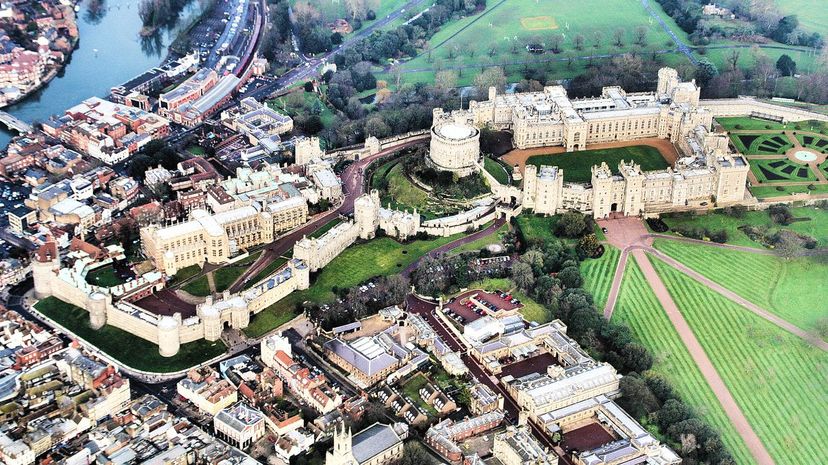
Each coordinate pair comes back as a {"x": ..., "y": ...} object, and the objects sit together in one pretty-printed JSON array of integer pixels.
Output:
[
  {"x": 96, "y": 303},
  {"x": 43, "y": 273},
  {"x": 169, "y": 337}
]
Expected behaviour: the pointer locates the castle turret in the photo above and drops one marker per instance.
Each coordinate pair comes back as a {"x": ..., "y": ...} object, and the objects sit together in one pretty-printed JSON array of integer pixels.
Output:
[
  {"x": 667, "y": 81},
  {"x": 366, "y": 214},
  {"x": 46, "y": 262},
  {"x": 210, "y": 319},
  {"x": 602, "y": 198},
  {"x": 169, "y": 336},
  {"x": 96, "y": 303},
  {"x": 240, "y": 314},
  {"x": 302, "y": 274},
  {"x": 633, "y": 188}
]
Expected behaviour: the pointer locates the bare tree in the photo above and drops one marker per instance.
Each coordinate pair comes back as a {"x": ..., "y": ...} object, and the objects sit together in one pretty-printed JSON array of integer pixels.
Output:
[
  {"x": 579, "y": 41},
  {"x": 445, "y": 80},
  {"x": 555, "y": 41},
  {"x": 640, "y": 35},
  {"x": 597, "y": 38},
  {"x": 618, "y": 37},
  {"x": 732, "y": 59}
]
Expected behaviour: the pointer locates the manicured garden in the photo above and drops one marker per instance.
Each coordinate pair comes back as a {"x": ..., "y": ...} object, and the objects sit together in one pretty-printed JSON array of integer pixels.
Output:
[
  {"x": 762, "y": 144},
  {"x": 598, "y": 274},
  {"x": 639, "y": 308},
  {"x": 125, "y": 347},
  {"x": 379, "y": 257},
  {"x": 776, "y": 378},
  {"x": 784, "y": 170},
  {"x": 818, "y": 143},
  {"x": 577, "y": 166},
  {"x": 793, "y": 289}
]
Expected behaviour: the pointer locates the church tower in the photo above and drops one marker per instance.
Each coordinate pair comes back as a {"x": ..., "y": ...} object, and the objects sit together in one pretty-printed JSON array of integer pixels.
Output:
[{"x": 342, "y": 453}]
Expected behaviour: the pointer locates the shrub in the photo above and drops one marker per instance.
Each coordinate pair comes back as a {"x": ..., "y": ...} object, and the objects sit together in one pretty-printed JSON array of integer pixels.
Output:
[
  {"x": 811, "y": 187},
  {"x": 719, "y": 236},
  {"x": 781, "y": 214},
  {"x": 738, "y": 126},
  {"x": 780, "y": 188},
  {"x": 657, "y": 225}
]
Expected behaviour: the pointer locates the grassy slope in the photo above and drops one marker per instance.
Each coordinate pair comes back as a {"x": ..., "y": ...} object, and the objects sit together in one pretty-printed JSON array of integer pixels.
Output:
[
  {"x": 638, "y": 307},
  {"x": 577, "y": 166},
  {"x": 531, "y": 311},
  {"x": 792, "y": 289},
  {"x": 777, "y": 379},
  {"x": 496, "y": 170},
  {"x": 811, "y": 19},
  {"x": 383, "y": 256},
  {"x": 126, "y": 347},
  {"x": 598, "y": 275},
  {"x": 815, "y": 227},
  {"x": 478, "y": 244}
]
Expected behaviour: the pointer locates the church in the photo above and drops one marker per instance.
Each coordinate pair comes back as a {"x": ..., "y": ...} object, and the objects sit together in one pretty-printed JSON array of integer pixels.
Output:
[{"x": 377, "y": 444}]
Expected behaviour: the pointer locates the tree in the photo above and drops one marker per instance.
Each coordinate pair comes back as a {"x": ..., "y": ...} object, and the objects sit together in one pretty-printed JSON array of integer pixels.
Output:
[
  {"x": 636, "y": 357},
  {"x": 705, "y": 72},
  {"x": 732, "y": 59},
  {"x": 597, "y": 38},
  {"x": 579, "y": 41},
  {"x": 522, "y": 276},
  {"x": 570, "y": 224},
  {"x": 588, "y": 246},
  {"x": 445, "y": 80},
  {"x": 640, "y": 35},
  {"x": 787, "y": 244},
  {"x": 491, "y": 77},
  {"x": 415, "y": 454},
  {"x": 786, "y": 26},
  {"x": 618, "y": 37},
  {"x": 555, "y": 41},
  {"x": 786, "y": 65},
  {"x": 636, "y": 397},
  {"x": 570, "y": 277}
]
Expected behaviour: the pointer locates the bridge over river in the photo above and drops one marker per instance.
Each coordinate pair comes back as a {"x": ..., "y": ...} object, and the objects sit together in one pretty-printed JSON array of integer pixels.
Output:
[{"x": 14, "y": 123}]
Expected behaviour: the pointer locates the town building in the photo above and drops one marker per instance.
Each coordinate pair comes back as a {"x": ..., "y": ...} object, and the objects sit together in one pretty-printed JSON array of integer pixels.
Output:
[
  {"x": 445, "y": 436},
  {"x": 517, "y": 446},
  {"x": 205, "y": 389},
  {"x": 377, "y": 444},
  {"x": 239, "y": 425}
]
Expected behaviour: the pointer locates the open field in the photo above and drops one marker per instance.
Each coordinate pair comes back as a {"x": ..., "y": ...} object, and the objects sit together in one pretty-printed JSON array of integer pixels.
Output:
[
  {"x": 793, "y": 289},
  {"x": 811, "y": 19},
  {"x": 598, "y": 274},
  {"x": 131, "y": 350},
  {"x": 777, "y": 379},
  {"x": 501, "y": 33},
  {"x": 638, "y": 307},
  {"x": 813, "y": 222},
  {"x": 379, "y": 257},
  {"x": 577, "y": 166}
]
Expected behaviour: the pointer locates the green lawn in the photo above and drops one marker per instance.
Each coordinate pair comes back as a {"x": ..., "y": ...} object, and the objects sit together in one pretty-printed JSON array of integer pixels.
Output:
[
  {"x": 793, "y": 289},
  {"x": 577, "y": 166},
  {"x": 777, "y": 379},
  {"x": 501, "y": 33},
  {"x": 104, "y": 277},
  {"x": 764, "y": 192},
  {"x": 129, "y": 349},
  {"x": 197, "y": 150},
  {"x": 199, "y": 287},
  {"x": 184, "y": 274},
  {"x": 811, "y": 18},
  {"x": 379, "y": 257},
  {"x": 496, "y": 170},
  {"x": 746, "y": 123},
  {"x": 638, "y": 307},
  {"x": 598, "y": 274},
  {"x": 307, "y": 102},
  {"x": 537, "y": 227},
  {"x": 815, "y": 226}
]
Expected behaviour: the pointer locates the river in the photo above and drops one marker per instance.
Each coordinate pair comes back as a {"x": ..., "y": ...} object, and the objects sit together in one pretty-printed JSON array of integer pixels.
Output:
[{"x": 109, "y": 52}]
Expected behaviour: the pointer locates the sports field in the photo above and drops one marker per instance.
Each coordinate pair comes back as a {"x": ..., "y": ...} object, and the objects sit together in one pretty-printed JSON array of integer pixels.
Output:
[
  {"x": 499, "y": 35},
  {"x": 793, "y": 289},
  {"x": 577, "y": 166},
  {"x": 638, "y": 307},
  {"x": 777, "y": 379}
]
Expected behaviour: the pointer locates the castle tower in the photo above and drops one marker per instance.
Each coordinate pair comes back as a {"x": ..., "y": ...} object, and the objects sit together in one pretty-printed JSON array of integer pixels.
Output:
[
  {"x": 240, "y": 316},
  {"x": 44, "y": 265},
  {"x": 366, "y": 214},
  {"x": 96, "y": 303},
  {"x": 731, "y": 178},
  {"x": 601, "y": 190},
  {"x": 342, "y": 452},
  {"x": 169, "y": 337},
  {"x": 302, "y": 274},
  {"x": 667, "y": 81},
  {"x": 633, "y": 203},
  {"x": 530, "y": 180},
  {"x": 306, "y": 150},
  {"x": 492, "y": 93},
  {"x": 210, "y": 319}
]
